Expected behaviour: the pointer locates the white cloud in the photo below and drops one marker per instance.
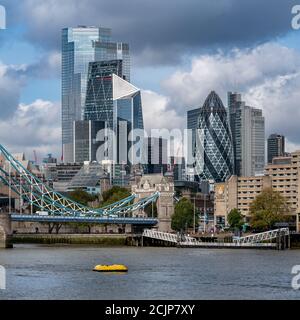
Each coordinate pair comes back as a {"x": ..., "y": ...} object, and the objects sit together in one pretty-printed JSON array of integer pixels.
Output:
[
  {"x": 267, "y": 76},
  {"x": 157, "y": 113},
  {"x": 35, "y": 126}
]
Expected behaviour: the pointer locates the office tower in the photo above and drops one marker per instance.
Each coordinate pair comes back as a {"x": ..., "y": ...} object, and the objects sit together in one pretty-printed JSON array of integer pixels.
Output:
[
  {"x": 178, "y": 168},
  {"x": 192, "y": 124},
  {"x": 80, "y": 46},
  {"x": 156, "y": 150},
  {"x": 248, "y": 131},
  {"x": 99, "y": 97},
  {"x": 114, "y": 100},
  {"x": 127, "y": 117},
  {"x": 114, "y": 51},
  {"x": 214, "y": 149},
  {"x": 276, "y": 146},
  {"x": 85, "y": 140},
  {"x": 235, "y": 107}
]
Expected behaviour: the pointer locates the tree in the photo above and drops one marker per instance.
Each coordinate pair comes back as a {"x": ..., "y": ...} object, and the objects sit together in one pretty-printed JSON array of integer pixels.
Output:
[
  {"x": 268, "y": 208},
  {"x": 183, "y": 216},
  {"x": 114, "y": 194},
  {"x": 235, "y": 219},
  {"x": 82, "y": 197}
]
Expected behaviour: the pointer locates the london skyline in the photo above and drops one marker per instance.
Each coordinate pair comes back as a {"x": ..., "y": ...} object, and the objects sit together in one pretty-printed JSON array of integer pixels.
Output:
[{"x": 175, "y": 72}]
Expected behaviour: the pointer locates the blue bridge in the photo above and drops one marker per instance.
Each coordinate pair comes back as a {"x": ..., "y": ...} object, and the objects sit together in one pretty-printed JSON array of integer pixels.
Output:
[
  {"x": 86, "y": 219},
  {"x": 55, "y": 207}
]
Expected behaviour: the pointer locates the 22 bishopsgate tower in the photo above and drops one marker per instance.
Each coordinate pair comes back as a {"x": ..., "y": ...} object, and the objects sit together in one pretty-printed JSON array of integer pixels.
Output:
[{"x": 80, "y": 47}]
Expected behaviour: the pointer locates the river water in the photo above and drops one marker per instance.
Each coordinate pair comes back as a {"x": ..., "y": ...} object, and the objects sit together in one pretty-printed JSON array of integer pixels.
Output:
[{"x": 64, "y": 272}]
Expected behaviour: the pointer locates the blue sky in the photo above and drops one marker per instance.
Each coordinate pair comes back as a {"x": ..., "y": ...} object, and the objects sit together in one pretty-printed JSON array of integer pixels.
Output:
[{"x": 174, "y": 57}]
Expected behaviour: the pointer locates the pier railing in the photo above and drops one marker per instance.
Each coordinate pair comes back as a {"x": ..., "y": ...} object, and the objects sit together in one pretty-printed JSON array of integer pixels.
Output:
[
  {"x": 259, "y": 240},
  {"x": 263, "y": 236},
  {"x": 171, "y": 237}
]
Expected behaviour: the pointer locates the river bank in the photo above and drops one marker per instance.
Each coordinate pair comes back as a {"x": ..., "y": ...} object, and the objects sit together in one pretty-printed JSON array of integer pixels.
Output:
[
  {"x": 82, "y": 239},
  {"x": 109, "y": 240}
]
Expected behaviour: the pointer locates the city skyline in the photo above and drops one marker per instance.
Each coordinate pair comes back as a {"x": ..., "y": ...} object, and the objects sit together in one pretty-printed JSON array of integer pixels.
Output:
[{"x": 165, "y": 82}]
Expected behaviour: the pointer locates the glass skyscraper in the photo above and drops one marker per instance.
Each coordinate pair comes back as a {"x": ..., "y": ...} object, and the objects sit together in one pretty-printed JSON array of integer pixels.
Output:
[
  {"x": 192, "y": 124},
  {"x": 80, "y": 46},
  {"x": 85, "y": 140},
  {"x": 214, "y": 149},
  {"x": 112, "y": 99},
  {"x": 99, "y": 98},
  {"x": 276, "y": 146},
  {"x": 127, "y": 116},
  {"x": 248, "y": 131}
]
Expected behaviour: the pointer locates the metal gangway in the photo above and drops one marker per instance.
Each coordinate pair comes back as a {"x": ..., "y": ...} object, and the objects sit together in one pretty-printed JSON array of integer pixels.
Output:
[
  {"x": 178, "y": 239},
  {"x": 263, "y": 236}
]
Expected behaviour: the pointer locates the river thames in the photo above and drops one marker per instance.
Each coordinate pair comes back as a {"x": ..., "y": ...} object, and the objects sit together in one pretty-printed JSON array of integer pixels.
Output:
[{"x": 65, "y": 272}]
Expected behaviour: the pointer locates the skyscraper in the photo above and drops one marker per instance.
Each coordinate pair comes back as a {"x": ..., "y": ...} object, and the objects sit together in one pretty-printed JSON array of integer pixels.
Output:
[
  {"x": 276, "y": 146},
  {"x": 80, "y": 46},
  {"x": 192, "y": 124},
  {"x": 85, "y": 140},
  {"x": 99, "y": 97},
  {"x": 114, "y": 100},
  {"x": 127, "y": 116},
  {"x": 214, "y": 149},
  {"x": 248, "y": 131},
  {"x": 156, "y": 154}
]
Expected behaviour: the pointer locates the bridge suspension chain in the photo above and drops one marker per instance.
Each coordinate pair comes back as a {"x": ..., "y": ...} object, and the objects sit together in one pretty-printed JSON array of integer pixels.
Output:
[{"x": 36, "y": 193}]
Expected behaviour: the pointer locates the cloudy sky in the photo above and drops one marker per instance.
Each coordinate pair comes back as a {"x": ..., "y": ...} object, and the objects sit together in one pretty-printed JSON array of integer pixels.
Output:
[{"x": 181, "y": 50}]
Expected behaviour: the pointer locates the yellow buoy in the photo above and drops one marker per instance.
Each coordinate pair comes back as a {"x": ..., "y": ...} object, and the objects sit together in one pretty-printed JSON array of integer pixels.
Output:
[{"x": 111, "y": 268}]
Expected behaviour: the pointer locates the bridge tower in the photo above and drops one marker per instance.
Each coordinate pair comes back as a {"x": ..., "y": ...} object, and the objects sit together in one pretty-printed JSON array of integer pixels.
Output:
[
  {"x": 146, "y": 185},
  {"x": 5, "y": 231}
]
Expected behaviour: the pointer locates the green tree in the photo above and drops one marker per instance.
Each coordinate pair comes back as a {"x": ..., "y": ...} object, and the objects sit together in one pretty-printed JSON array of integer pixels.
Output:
[
  {"x": 183, "y": 216},
  {"x": 114, "y": 194},
  {"x": 235, "y": 219},
  {"x": 82, "y": 197},
  {"x": 268, "y": 208}
]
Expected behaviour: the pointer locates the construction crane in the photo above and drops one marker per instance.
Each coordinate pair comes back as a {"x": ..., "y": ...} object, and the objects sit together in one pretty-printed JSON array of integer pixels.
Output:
[{"x": 35, "y": 157}]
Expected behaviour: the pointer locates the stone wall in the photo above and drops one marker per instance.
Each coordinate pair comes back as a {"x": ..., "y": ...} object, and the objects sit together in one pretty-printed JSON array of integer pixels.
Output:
[
  {"x": 147, "y": 186},
  {"x": 5, "y": 231},
  {"x": 43, "y": 228}
]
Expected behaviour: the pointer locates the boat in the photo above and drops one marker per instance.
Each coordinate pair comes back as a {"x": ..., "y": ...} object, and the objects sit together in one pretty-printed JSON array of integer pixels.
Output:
[{"x": 111, "y": 268}]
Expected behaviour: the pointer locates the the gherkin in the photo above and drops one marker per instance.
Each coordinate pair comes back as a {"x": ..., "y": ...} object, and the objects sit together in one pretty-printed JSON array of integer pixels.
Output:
[{"x": 214, "y": 149}]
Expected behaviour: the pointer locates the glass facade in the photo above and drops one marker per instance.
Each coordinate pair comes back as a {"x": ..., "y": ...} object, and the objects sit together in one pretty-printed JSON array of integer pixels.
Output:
[
  {"x": 248, "y": 131},
  {"x": 80, "y": 46},
  {"x": 89, "y": 178},
  {"x": 85, "y": 140},
  {"x": 99, "y": 98},
  {"x": 276, "y": 146},
  {"x": 214, "y": 149},
  {"x": 156, "y": 150},
  {"x": 114, "y": 51},
  {"x": 113, "y": 100},
  {"x": 192, "y": 124},
  {"x": 128, "y": 115}
]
